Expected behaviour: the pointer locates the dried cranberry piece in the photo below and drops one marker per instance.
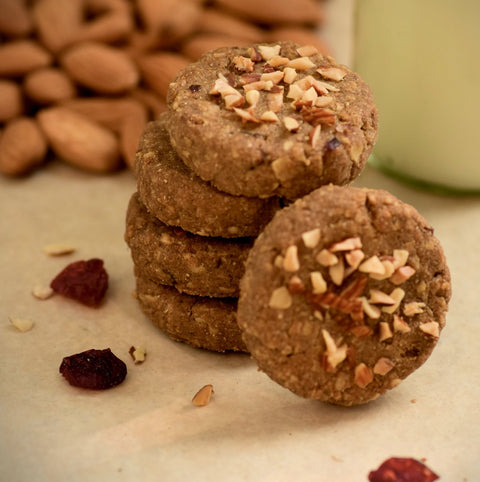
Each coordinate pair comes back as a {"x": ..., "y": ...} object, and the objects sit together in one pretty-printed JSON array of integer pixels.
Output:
[
  {"x": 195, "y": 88},
  {"x": 332, "y": 144},
  {"x": 84, "y": 281},
  {"x": 94, "y": 369},
  {"x": 398, "y": 469}
]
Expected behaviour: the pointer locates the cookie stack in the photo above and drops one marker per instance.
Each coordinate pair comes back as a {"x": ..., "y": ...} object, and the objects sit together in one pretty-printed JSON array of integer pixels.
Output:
[{"x": 247, "y": 131}]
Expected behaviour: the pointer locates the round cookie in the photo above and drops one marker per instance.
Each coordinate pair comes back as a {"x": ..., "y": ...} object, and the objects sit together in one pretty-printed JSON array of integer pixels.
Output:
[
  {"x": 207, "y": 323},
  {"x": 275, "y": 119},
  {"x": 344, "y": 295},
  {"x": 192, "y": 264},
  {"x": 176, "y": 196}
]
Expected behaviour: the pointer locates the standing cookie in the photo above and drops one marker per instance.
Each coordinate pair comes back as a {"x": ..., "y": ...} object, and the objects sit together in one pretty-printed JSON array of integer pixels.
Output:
[
  {"x": 276, "y": 119},
  {"x": 345, "y": 294}
]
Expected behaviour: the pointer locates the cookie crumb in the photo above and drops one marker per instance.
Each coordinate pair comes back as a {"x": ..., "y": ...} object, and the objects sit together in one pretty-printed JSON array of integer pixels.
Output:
[{"x": 138, "y": 354}]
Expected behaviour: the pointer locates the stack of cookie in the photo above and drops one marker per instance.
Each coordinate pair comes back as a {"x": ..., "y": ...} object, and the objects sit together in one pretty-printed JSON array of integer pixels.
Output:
[{"x": 247, "y": 131}]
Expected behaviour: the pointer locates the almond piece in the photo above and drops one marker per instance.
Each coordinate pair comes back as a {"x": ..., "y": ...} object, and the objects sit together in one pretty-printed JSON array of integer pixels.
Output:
[
  {"x": 57, "y": 22},
  {"x": 11, "y": 104},
  {"x": 22, "y": 56},
  {"x": 159, "y": 69},
  {"x": 203, "y": 396},
  {"x": 15, "y": 19},
  {"x": 102, "y": 68},
  {"x": 78, "y": 140},
  {"x": 49, "y": 85},
  {"x": 22, "y": 146}
]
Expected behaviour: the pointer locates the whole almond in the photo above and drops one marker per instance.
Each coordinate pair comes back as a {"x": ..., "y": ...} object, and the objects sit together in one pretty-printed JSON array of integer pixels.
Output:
[
  {"x": 201, "y": 43},
  {"x": 15, "y": 19},
  {"x": 11, "y": 104},
  {"x": 276, "y": 11},
  {"x": 21, "y": 56},
  {"x": 22, "y": 146},
  {"x": 299, "y": 35},
  {"x": 131, "y": 130},
  {"x": 220, "y": 23},
  {"x": 57, "y": 21},
  {"x": 102, "y": 68},
  {"x": 48, "y": 85},
  {"x": 79, "y": 141},
  {"x": 159, "y": 69},
  {"x": 171, "y": 20}
]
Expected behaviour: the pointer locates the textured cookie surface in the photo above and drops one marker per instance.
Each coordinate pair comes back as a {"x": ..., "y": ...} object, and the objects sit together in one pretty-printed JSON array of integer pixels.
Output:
[
  {"x": 271, "y": 119},
  {"x": 176, "y": 196},
  {"x": 193, "y": 264},
  {"x": 345, "y": 294},
  {"x": 207, "y": 323}
]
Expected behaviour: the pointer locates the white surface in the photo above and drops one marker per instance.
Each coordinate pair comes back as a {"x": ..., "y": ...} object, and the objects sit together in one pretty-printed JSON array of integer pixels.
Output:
[{"x": 253, "y": 430}]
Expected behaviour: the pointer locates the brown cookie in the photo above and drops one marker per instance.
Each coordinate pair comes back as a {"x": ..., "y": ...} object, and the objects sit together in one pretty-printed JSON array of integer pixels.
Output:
[
  {"x": 208, "y": 323},
  {"x": 176, "y": 196},
  {"x": 275, "y": 119},
  {"x": 345, "y": 294},
  {"x": 193, "y": 264}
]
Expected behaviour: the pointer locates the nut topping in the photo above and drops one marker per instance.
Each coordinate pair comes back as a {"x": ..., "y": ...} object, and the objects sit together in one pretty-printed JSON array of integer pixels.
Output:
[
  {"x": 363, "y": 375},
  {"x": 326, "y": 258},
  {"x": 332, "y": 73},
  {"x": 334, "y": 354},
  {"x": 346, "y": 245},
  {"x": 268, "y": 51},
  {"x": 383, "y": 366},
  {"x": 290, "y": 261},
  {"x": 337, "y": 272},
  {"x": 281, "y": 299},
  {"x": 413, "y": 308},
  {"x": 385, "y": 331},
  {"x": 400, "y": 325},
  {"x": 431, "y": 328},
  {"x": 397, "y": 294},
  {"x": 354, "y": 258},
  {"x": 289, "y": 74},
  {"x": 311, "y": 238},
  {"x": 301, "y": 63},
  {"x": 372, "y": 265},
  {"x": 243, "y": 63},
  {"x": 319, "y": 285},
  {"x": 378, "y": 297},
  {"x": 307, "y": 50},
  {"x": 402, "y": 274},
  {"x": 269, "y": 116},
  {"x": 371, "y": 311},
  {"x": 314, "y": 135},
  {"x": 291, "y": 123}
]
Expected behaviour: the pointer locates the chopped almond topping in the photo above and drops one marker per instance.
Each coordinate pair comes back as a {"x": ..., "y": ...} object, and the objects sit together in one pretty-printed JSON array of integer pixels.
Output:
[
  {"x": 290, "y": 261},
  {"x": 337, "y": 272},
  {"x": 295, "y": 285},
  {"x": 275, "y": 101},
  {"x": 332, "y": 73},
  {"x": 346, "y": 245},
  {"x": 389, "y": 269},
  {"x": 413, "y": 308},
  {"x": 402, "y": 274},
  {"x": 371, "y": 311},
  {"x": 243, "y": 63},
  {"x": 269, "y": 116},
  {"x": 258, "y": 85},
  {"x": 253, "y": 96},
  {"x": 397, "y": 294},
  {"x": 310, "y": 95},
  {"x": 385, "y": 331},
  {"x": 278, "y": 61},
  {"x": 301, "y": 63},
  {"x": 326, "y": 258},
  {"x": 431, "y": 328},
  {"x": 326, "y": 86},
  {"x": 319, "y": 285},
  {"x": 307, "y": 50},
  {"x": 400, "y": 257},
  {"x": 323, "y": 101},
  {"x": 233, "y": 100},
  {"x": 383, "y": 366},
  {"x": 372, "y": 265},
  {"x": 245, "y": 115},
  {"x": 289, "y": 75},
  {"x": 354, "y": 258},
  {"x": 281, "y": 298},
  {"x": 334, "y": 354},
  {"x": 400, "y": 325},
  {"x": 290, "y": 123},
  {"x": 223, "y": 88},
  {"x": 314, "y": 135},
  {"x": 363, "y": 375},
  {"x": 268, "y": 51},
  {"x": 249, "y": 78},
  {"x": 378, "y": 297},
  {"x": 311, "y": 238},
  {"x": 295, "y": 92},
  {"x": 274, "y": 77}
]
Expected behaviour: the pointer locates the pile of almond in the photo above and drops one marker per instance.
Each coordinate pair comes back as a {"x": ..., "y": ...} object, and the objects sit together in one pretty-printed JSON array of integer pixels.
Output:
[{"x": 79, "y": 79}]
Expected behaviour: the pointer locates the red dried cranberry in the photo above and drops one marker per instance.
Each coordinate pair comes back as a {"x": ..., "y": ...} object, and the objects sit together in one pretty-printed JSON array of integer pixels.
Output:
[
  {"x": 84, "y": 281},
  {"x": 398, "y": 469},
  {"x": 94, "y": 369}
]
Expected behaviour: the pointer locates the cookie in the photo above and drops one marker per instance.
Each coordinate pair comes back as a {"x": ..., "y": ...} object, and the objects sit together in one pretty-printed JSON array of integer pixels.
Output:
[
  {"x": 193, "y": 264},
  {"x": 276, "y": 119},
  {"x": 176, "y": 196},
  {"x": 345, "y": 294},
  {"x": 207, "y": 323}
]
